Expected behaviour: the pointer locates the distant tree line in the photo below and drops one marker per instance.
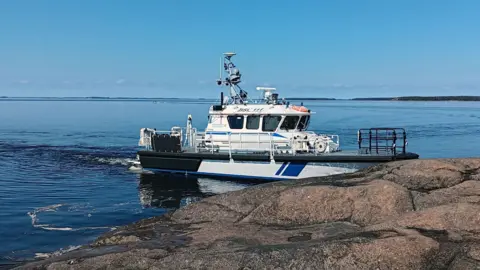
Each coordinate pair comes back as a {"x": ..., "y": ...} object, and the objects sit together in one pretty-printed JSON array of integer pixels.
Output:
[
  {"x": 310, "y": 98},
  {"x": 423, "y": 98}
]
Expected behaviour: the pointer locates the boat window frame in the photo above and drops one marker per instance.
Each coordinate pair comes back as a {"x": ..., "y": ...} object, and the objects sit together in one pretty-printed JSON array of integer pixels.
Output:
[
  {"x": 258, "y": 123},
  {"x": 296, "y": 123},
  {"x": 216, "y": 119},
  {"x": 307, "y": 122},
  {"x": 271, "y": 115},
  {"x": 236, "y": 115}
]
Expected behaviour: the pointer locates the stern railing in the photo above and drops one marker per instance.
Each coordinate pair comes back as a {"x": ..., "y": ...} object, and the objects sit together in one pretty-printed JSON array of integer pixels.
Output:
[{"x": 382, "y": 141}]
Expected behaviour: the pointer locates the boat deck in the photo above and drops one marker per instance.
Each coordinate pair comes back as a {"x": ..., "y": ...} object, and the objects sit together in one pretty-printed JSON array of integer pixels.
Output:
[
  {"x": 341, "y": 156},
  {"x": 374, "y": 145}
]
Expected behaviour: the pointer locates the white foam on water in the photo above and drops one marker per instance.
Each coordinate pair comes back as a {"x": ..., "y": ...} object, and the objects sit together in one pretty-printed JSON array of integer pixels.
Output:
[
  {"x": 34, "y": 216},
  {"x": 134, "y": 168},
  {"x": 109, "y": 160},
  {"x": 49, "y": 208},
  {"x": 48, "y": 228},
  {"x": 52, "y": 207},
  {"x": 132, "y": 164},
  {"x": 115, "y": 161},
  {"x": 55, "y": 253}
]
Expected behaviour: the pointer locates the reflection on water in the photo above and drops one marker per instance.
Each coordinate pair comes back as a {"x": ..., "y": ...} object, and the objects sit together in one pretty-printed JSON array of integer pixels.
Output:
[{"x": 171, "y": 191}]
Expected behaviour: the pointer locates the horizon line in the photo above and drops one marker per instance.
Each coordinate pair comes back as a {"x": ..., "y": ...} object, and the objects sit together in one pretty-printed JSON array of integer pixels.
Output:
[{"x": 400, "y": 98}]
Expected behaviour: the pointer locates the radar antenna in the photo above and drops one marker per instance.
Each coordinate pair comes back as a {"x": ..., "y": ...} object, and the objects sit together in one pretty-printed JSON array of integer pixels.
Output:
[
  {"x": 232, "y": 79},
  {"x": 268, "y": 96}
]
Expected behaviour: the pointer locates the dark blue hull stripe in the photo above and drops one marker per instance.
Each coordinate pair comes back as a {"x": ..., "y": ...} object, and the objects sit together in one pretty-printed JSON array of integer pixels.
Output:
[
  {"x": 294, "y": 169},
  {"x": 281, "y": 168},
  {"x": 291, "y": 169},
  {"x": 219, "y": 174}
]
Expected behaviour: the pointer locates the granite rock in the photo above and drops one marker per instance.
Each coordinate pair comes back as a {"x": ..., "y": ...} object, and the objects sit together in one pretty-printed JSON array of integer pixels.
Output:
[{"x": 416, "y": 214}]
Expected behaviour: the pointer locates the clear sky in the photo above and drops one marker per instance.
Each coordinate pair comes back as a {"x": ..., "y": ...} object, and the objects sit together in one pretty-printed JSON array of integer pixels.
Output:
[{"x": 172, "y": 48}]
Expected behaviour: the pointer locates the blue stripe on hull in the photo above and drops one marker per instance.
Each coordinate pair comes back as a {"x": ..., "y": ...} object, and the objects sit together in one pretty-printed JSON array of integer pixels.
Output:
[
  {"x": 220, "y": 175},
  {"x": 281, "y": 168},
  {"x": 228, "y": 132},
  {"x": 217, "y": 133},
  {"x": 278, "y": 135},
  {"x": 294, "y": 169},
  {"x": 291, "y": 169}
]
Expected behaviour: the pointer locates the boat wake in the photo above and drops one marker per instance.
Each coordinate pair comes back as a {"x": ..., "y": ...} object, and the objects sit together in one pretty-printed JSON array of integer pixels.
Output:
[
  {"x": 108, "y": 160},
  {"x": 70, "y": 155}
]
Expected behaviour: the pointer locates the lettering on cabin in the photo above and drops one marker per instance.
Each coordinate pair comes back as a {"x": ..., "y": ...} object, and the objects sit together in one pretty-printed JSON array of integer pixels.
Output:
[{"x": 250, "y": 110}]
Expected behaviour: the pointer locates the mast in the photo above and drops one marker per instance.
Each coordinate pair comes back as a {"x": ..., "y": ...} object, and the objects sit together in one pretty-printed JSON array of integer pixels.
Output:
[{"x": 232, "y": 79}]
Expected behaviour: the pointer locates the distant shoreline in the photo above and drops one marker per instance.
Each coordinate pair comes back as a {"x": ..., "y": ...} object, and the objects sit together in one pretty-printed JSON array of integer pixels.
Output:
[
  {"x": 424, "y": 98},
  {"x": 403, "y": 98}
]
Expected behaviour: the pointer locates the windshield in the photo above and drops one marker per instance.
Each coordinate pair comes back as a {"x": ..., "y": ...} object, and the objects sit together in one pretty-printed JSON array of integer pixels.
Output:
[
  {"x": 290, "y": 122},
  {"x": 304, "y": 121},
  {"x": 270, "y": 123}
]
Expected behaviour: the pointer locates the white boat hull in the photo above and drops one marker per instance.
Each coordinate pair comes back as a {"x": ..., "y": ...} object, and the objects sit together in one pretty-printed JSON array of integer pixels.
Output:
[{"x": 269, "y": 171}]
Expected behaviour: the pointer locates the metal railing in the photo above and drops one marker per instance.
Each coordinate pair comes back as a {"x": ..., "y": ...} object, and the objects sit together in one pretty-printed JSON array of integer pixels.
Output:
[
  {"x": 371, "y": 141},
  {"x": 175, "y": 131},
  {"x": 240, "y": 142},
  {"x": 261, "y": 142},
  {"x": 382, "y": 140}
]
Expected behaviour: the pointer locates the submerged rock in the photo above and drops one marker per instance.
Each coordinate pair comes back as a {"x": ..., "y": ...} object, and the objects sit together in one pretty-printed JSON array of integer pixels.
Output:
[{"x": 417, "y": 214}]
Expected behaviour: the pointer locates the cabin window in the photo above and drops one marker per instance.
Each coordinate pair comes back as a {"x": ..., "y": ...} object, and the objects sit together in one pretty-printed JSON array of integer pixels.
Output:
[
  {"x": 304, "y": 121},
  {"x": 253, "y": 122},
  {"x": 290, "y": 122},
  {"x": 215, "y": 119},
  {"x": 270, "y": 123},
  {"x": 235, "y": 121}
]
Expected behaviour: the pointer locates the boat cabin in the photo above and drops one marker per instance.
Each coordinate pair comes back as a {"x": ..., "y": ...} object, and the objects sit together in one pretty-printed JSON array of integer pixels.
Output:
[{"x": 259, "y": 118}]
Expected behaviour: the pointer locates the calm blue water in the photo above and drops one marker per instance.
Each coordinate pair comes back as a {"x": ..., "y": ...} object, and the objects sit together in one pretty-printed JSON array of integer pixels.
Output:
[{"x": 64, "y": 178}]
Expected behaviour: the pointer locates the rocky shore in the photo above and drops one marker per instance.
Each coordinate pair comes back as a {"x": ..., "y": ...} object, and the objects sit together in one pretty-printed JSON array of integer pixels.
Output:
[{"x": 418, "y": 214}]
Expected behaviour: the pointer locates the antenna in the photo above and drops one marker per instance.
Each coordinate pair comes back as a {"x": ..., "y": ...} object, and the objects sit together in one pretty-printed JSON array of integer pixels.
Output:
[
  {"x": 267, "y": 95},
  {"x": 220, "y": 69},
  {"x": 232, "y": 79},
  {"x": 219, "y": 81}
]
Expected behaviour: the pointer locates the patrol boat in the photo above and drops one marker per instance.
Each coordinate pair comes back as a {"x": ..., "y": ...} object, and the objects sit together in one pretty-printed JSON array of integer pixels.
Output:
[{"x": 264, "y": 139}]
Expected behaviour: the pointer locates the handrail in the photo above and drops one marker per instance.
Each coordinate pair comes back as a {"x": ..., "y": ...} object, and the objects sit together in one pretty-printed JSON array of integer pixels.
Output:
[
  {"x": 379, "y": 141},
  {"x": 239, "y": 142},
  {"x": 383, "y": 140},
  {"x": 242, "y": 142}
]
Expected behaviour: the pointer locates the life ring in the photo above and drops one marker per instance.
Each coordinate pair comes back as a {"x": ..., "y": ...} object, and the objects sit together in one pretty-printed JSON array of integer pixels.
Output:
[{"x": 299, "y": 108}]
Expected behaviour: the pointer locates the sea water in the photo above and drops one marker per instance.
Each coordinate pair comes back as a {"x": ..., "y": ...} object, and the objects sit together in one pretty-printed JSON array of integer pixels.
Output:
[{"x": 64, "y": 176}]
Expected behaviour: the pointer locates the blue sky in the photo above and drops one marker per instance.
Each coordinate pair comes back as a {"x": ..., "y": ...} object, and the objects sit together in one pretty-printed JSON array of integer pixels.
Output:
[{"x": 304, "y": 48}]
